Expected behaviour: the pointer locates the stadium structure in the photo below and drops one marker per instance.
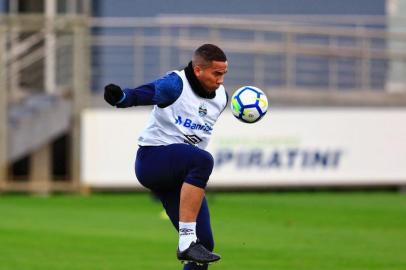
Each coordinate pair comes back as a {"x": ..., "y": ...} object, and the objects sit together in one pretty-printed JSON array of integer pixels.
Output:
[{"x": 56, "y": 56}]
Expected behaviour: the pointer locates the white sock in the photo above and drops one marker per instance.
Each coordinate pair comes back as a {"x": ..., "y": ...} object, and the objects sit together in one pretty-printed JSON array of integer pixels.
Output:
[{"x": 187, "y": 234}]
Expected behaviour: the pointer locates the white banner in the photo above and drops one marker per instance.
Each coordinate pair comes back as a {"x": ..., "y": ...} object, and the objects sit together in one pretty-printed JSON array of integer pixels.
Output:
[{"x": 299, "y": 147}]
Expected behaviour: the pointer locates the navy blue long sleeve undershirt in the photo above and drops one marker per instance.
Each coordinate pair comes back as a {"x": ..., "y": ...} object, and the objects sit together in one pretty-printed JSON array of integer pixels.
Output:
[{"x": 162, "y": 92}]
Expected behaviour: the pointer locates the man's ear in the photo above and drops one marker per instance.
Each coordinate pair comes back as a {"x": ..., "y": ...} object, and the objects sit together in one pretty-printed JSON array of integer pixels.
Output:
[{"x": 197, "y": 70}]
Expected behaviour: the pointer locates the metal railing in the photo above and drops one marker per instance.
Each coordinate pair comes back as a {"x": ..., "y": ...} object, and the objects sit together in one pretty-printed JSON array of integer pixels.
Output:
[
  {"x": 44, "y": 84},
  {"x": 36, "y": 56},
  {"x": 277, "y": 54},
  {"x": 290, "y": 57},
  {"x": 284, "y": 53}
]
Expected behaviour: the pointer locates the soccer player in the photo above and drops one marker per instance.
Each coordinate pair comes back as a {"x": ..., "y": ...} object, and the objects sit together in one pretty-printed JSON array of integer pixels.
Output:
[{"x": 171, "y": 160}]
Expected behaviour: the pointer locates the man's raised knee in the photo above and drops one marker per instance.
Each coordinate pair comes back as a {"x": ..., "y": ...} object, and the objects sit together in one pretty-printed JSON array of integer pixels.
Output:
[{"x": 200, "y": 169}]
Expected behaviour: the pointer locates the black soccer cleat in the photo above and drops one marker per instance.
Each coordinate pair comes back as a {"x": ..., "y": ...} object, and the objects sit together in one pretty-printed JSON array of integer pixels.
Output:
[{"x": 198, "y": 254}]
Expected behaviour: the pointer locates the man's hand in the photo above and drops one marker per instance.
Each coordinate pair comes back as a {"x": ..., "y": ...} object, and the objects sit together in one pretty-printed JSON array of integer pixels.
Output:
[{"x": 113, "y": 94}]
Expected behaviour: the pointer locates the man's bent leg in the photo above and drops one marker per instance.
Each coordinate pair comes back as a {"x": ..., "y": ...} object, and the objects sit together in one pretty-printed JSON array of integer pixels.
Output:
[
  {"x": 185, "y": 169},
  {"x": 170, "y": 201},
  {"x": 191, "y": 198},
  {"x": 191, "y": 250},
  {"x": 190, "y": 202},
  {"x": 204, "y": 233},
  {"x": 200, "y": 166}
]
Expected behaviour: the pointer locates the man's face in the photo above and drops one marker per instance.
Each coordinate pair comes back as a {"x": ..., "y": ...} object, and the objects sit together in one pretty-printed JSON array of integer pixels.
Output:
[{"x": 211, "y": 77}]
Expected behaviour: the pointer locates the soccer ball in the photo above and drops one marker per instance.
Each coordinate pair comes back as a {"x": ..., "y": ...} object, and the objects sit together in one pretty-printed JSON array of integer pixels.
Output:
[{"x": 249, "y": 104}]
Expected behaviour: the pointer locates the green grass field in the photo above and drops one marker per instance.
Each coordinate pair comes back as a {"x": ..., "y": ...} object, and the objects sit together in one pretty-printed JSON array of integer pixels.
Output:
[{"x": 309, "y": 231}]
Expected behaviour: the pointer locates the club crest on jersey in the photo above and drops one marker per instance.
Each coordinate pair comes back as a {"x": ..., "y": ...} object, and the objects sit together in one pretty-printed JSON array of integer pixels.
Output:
[{"x": 202, "y": 109}]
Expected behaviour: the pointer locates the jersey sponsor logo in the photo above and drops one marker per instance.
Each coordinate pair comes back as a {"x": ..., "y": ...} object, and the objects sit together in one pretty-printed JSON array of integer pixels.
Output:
[
  {"x": 179, "y": 120},
  {"x": 188, "y": 123},
  {"x": 192, "y": 139}
]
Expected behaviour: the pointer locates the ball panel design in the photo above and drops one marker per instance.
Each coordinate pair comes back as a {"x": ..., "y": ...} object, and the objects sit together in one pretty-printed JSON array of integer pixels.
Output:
[
  {"x": 249, "y": 97},
  {"x": 249, "y": 104}
]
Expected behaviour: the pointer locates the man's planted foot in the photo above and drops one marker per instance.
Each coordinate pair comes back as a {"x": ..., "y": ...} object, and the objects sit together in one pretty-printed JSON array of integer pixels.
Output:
[{"x": 198, "y": 254}]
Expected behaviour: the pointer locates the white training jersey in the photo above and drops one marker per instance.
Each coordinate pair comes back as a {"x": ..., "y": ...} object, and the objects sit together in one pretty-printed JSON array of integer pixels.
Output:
[{"x": 190, "y": 119}]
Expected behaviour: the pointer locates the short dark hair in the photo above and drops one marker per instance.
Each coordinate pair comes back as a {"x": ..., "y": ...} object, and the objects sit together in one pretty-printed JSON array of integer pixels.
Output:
[{"x": 207, "y": 53}]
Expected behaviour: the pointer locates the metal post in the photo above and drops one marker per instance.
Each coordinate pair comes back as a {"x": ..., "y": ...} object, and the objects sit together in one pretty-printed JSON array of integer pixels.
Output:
[
  {"x": 290, "y": 68},
  {"x": 14, "y": 65},
  {"x": 40, "y": 170},
  {"x": 164, "y": 51},
  {"x": 14, "y": 5},
  {"x": 139, "y": 57},
  {"x": 396, "y": 81},
  {"x": 72, "y": 7},
  {"x": 184, "y": 55},
  {"x": 86, "y": 7},
  {"x": 3, "y": 111},
  {"x": 81, "y": 93},
  {"x": 365, "y": 65},
  {"x": 214, "y": 35},
  {"x": 333, "y": 68},
  {"x": 259, "y": 61},
  {"x": 50, "y": 48}
]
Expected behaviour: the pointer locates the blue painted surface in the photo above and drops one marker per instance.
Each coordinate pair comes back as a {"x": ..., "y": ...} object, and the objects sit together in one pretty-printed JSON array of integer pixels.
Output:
[
  {"x": 3, "y": 6},
  {"x": 134, "y": 8}
]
